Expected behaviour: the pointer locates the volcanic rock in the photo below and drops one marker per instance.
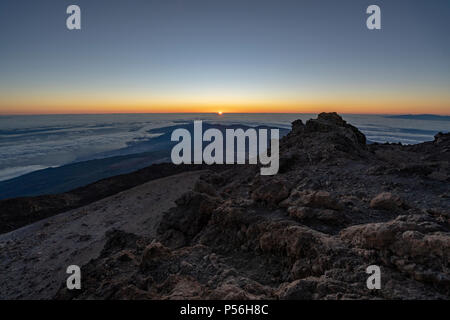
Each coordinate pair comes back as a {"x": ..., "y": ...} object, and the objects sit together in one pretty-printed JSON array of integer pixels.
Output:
[{"x": 337, "y": 206}]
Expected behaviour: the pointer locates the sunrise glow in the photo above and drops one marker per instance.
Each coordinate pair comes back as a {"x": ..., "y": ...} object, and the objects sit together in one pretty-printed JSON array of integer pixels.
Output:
[{"x": 195, "y": 61}]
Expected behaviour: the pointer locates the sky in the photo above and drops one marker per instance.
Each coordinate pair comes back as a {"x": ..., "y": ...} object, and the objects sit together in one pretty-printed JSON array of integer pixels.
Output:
[{"x": 224, "y": 55}]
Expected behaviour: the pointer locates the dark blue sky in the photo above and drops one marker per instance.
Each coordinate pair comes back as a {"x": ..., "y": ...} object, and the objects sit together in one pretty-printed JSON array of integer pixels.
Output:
[{"x": 295, "y": 54}]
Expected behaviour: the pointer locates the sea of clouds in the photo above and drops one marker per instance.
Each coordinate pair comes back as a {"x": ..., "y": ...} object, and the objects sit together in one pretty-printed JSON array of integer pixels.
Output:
[{"x": 30, "y": 143}]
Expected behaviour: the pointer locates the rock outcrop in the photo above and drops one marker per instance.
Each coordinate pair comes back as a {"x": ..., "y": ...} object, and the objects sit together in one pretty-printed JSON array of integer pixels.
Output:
[{"x": 337, "y": 206}]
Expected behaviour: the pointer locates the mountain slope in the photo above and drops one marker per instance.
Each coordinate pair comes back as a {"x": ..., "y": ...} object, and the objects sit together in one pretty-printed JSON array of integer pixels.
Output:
[
  {"x": 33, "y": 259},
  {"x": 336, "y": 207}
]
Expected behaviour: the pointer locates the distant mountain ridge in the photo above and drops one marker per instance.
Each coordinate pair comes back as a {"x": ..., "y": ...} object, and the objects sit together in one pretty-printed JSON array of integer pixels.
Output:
[{"x": 432, "y": 117}]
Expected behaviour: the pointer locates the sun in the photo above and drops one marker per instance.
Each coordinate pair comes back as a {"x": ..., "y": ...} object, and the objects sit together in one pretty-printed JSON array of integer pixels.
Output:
[{"x": 219, "y": 113}]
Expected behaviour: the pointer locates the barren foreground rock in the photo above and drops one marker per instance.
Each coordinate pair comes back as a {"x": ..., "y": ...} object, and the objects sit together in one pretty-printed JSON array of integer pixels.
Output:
[
  {"x": 337, "y": 206},
  {"x": 33, "y": 259}
]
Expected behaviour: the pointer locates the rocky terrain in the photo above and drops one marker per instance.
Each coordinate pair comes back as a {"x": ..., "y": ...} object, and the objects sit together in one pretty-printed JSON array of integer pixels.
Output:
[
  {"x": 337, "y": 206},
  {"x": 34, "y": 258},
  {"x": 19, "y": 212}
]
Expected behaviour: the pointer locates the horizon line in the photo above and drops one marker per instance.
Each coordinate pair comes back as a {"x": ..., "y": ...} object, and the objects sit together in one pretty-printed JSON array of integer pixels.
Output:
[{"x": 216, "y": 113}]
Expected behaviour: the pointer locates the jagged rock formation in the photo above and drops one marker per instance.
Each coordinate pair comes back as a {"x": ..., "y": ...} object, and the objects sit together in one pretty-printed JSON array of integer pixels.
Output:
[{"x": 336, "y": 207}]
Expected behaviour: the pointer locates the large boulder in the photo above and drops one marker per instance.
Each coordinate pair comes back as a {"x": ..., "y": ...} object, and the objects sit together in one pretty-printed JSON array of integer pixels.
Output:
[
  {"x": 387, "y": 201},
  {"x": 271, "y": 193},
  {"x": 153, "y": 253},
  {"x": 313, "y": 199},
  {"x": 415, "y": 244}
]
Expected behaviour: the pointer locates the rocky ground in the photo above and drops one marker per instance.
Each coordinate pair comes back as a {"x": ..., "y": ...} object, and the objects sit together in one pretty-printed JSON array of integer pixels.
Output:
[
  {"x": 19, "y": 212},
  {"x": 34, "y": 258},
  {"x": 337, "y": 206}
]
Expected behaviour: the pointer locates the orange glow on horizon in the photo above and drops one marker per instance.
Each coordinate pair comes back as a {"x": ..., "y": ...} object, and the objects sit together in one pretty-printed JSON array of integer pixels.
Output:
[
  {"x": 312, "y": 108},
  {"x": 359, "y": 105}
]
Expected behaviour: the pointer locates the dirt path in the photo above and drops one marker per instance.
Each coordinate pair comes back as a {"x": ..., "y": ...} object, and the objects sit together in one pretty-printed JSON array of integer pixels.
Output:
[{"x": 33, "y": 259}]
